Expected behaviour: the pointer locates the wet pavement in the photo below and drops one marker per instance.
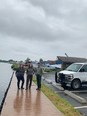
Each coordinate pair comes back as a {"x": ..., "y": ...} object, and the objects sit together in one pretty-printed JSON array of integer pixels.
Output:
[{"x": 28, "y": 103}]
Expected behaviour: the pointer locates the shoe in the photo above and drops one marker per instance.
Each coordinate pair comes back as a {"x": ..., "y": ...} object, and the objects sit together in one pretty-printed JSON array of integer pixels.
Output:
[
  {"x": 18, "y": 88},
  {"x": 29, "y": 87},
  {"x": 22, "y": 88},
  {"x": 38, "y": 89}
]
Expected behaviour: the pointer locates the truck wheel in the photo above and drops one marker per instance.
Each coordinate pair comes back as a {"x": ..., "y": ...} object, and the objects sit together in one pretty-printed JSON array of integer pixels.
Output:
[
  {"x": 63, "y": 85},
  {"x": 56, "y": 78},
  {"x": 76, "y": 84}
]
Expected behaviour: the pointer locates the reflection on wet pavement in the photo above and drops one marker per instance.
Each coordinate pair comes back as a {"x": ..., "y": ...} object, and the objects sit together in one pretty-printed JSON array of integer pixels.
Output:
[
  {"x": 18, "y": 101},
  {"x": 37, "y": 105}
]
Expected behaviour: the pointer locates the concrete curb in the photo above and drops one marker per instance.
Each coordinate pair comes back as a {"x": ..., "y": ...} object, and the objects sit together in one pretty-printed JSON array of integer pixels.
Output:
[
  {"x": 57, "y": 86},
  {"x": 76, "y": 97},
  {"x": 48, "y": 81}
]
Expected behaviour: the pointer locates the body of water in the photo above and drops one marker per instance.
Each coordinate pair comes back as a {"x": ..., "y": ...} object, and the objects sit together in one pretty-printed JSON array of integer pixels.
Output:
[{"x": 5, "y": 76}]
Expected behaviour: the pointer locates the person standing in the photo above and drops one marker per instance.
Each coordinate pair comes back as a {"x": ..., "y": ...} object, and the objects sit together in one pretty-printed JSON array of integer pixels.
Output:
[
  {"x": 39, "y": 73},
  {"x": 20, "y": 76},
  {"x": 30, "y": 72}
]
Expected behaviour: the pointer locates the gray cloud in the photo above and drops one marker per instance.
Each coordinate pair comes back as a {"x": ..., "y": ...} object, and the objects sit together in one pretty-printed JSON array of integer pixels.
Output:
[{"x": 45, "y": 28}]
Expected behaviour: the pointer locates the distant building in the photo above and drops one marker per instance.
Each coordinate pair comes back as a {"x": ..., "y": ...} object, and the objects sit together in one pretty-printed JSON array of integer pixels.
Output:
[
  {"x": 66, "y": 61},
  {"x": 51, "y": 62}
]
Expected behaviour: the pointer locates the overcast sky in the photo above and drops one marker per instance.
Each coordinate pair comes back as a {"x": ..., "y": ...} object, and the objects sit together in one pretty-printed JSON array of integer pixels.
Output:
[{"x": 43, "y": 29}]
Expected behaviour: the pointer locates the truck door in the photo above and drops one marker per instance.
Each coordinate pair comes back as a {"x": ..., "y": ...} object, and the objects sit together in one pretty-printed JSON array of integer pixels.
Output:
[{"x": 83, "y": 73}]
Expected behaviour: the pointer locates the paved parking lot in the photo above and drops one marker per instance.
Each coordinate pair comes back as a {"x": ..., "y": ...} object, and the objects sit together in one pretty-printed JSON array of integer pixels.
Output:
[{"x": 78, "y": 98}]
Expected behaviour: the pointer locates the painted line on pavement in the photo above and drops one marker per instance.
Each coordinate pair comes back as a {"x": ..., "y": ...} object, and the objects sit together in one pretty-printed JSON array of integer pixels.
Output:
[
  {"x": 80, "y": 107},
  {"x": 82, "y": 91}
]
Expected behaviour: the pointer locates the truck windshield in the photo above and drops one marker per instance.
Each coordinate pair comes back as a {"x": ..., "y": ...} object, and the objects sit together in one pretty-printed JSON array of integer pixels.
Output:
[{"x": 74, "y": 67}]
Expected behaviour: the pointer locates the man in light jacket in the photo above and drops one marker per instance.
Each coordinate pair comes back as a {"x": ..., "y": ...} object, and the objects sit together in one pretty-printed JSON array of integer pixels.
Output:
[{"x": 39, "y": 73}]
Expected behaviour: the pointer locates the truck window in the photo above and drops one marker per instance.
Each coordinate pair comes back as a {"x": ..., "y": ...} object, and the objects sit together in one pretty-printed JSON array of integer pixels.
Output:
[
  {"x": 84, "y": 68},
  {"x": 74, "y": 67}
]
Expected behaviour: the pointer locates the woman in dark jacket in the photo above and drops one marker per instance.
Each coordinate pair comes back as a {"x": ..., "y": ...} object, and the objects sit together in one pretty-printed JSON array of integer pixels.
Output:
[{"x": 20, "y": 76}]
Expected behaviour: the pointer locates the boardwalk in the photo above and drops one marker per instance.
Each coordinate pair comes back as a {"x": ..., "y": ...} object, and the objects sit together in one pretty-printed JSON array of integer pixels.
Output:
[{"x": 28, "y": 103}]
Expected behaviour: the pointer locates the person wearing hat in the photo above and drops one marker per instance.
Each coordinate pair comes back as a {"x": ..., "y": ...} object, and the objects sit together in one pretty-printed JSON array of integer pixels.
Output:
[{"x": 39, "y": 73}]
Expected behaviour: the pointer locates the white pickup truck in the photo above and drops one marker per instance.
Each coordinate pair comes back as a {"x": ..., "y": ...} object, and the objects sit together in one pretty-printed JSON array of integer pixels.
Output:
[{"x": 75, "y": 75}]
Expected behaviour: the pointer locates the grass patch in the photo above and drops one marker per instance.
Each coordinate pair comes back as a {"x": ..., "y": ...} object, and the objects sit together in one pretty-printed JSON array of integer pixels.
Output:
[
  {"x": 51, "y": 70},
  {"x": 61, "y": 104}
]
